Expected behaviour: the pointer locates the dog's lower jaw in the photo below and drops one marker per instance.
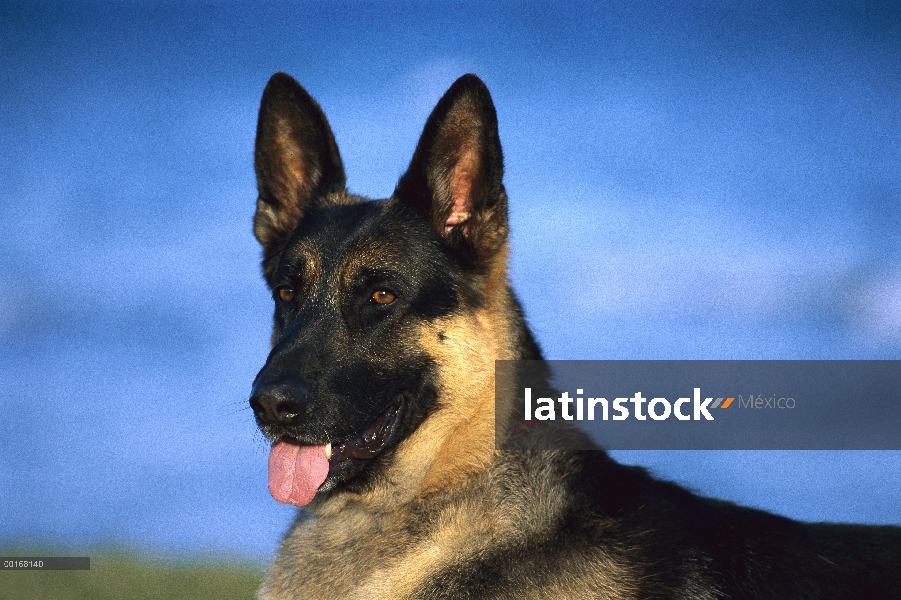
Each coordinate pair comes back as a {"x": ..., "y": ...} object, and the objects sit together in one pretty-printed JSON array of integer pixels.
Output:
[{"x": 416, "y": 469}]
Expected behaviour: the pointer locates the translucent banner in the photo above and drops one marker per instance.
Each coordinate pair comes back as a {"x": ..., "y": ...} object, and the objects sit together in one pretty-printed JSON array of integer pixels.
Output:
[{"x": 699, "y": 405}]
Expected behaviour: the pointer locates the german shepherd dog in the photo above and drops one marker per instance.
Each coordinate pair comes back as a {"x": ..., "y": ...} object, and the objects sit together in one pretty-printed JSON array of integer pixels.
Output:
[{"x": 379, "y": 398}]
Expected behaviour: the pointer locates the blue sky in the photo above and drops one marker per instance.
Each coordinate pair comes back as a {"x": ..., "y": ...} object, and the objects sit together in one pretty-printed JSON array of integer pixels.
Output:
[{"x": 691, "y": 180}]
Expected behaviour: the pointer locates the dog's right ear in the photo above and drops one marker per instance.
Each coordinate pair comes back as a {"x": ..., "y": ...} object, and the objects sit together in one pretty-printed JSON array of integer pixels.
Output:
[{"x": 296, "y": 160}]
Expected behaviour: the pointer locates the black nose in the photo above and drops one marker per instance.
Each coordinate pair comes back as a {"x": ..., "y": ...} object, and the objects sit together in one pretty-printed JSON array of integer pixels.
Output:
[{"x": 279, "y": 403}]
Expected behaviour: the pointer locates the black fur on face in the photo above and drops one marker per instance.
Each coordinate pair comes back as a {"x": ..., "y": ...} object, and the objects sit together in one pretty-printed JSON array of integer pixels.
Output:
[
  {"x": 354, "y": 280},
  {"x": 340, "y": 359}
]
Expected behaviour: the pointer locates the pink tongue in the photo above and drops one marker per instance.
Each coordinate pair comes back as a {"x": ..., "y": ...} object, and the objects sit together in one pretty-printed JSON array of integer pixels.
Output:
[{"x": 296, "y": 472}]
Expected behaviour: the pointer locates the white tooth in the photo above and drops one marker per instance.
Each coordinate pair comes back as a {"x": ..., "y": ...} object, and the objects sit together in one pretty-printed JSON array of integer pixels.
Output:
[{"x": 328, "y": 451}]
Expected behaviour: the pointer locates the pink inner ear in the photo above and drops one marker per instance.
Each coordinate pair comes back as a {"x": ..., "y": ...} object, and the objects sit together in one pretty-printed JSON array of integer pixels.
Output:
[
  {"x": 455, "y": 218},
  {"x": 460, "y": 186}
]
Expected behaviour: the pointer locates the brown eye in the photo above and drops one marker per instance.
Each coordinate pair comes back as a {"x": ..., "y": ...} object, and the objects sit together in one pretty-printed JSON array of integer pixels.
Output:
[
  {"x": 383, "y": 297},
  {"x": 286, "y": 294}
]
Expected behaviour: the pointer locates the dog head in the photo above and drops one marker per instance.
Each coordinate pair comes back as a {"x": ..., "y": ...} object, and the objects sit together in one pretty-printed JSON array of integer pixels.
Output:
[{"x": 367, "y": 292}]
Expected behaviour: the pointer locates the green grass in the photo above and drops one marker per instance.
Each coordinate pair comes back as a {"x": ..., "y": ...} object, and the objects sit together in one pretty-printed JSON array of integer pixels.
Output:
[{"x": 116, "y": 575}]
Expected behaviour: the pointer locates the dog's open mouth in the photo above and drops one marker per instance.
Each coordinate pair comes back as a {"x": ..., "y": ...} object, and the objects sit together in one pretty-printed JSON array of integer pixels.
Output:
[{"x": 297, "y": 471}]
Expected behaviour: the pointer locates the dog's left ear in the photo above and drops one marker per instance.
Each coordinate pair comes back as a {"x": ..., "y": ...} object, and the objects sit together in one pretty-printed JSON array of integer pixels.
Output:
[{"x": 455, "y": 177}]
